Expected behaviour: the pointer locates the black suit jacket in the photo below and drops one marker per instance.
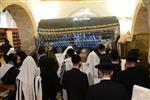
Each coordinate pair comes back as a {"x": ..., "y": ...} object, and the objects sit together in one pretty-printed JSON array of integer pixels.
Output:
[
  {"x": 76, "y": 84},
  {"x": 49, "y": 78},
  {"x": 107, "y": 90},
  {"x": 134, "y": 75},
  {"x": 10, "y": 76}
]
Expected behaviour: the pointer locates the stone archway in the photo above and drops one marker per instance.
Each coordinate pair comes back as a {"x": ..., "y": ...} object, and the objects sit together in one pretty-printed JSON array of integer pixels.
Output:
[
  {"x": 147, "y": 4},
  {"x": 140, "y": 21},
  {"x": 140, "y": 32},
  {"x": 25, "y": 25}
]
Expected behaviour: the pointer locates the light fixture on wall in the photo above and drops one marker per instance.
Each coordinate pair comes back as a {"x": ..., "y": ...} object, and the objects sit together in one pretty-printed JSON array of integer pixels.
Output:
[
  {"x": 81, "y": 18},
  {"x": 125, "y": 25},
  {"x": 83, "y": 14}
]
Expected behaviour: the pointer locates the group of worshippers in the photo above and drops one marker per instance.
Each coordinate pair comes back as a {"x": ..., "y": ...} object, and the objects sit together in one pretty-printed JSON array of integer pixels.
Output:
[
  {"x": 79, "y": 79},
  {"x": 21, "y": 71},
  {"x": 34, "y": 78},
  {"x": 86, "y": 76}
]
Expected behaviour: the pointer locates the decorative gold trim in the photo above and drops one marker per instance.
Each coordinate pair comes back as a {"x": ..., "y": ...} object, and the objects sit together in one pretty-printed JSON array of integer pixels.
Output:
[
  {"x": 75, "y": 31},
  {"x": 79, "y": 29}
]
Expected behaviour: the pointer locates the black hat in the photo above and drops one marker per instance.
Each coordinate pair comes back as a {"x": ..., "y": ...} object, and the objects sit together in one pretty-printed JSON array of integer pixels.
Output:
[
  {"x": 131, "y": 59},
  {"x": 105, "y": 66},
  {"x": 133, "y": 56},
  {"x": 101, "y": 46}
]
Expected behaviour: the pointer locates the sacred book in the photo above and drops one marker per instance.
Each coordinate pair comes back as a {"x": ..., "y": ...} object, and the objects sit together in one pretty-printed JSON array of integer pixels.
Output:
[
  {"x": 140, "y": 93},
  {"x": 3, "y": 92}
]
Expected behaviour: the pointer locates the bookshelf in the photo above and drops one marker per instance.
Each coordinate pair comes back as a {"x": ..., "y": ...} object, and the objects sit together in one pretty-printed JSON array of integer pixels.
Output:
[
  {"x": 3, "y": 35},
  {"x": 12, "y": 35},
  {"x": 16, "y": 39}
]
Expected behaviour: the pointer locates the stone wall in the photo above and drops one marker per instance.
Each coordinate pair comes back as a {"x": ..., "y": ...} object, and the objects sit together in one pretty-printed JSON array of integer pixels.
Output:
[
  {"x": 24, "y": 20},
  {"x": 141, "y": 42}
]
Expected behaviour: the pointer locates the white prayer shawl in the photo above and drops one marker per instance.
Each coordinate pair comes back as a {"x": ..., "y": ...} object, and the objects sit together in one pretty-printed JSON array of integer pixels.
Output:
[
  {"x": 86, "y": 68},
  {"x": 68, "y": 66},
  {"x": 65, "y": 51},
  {"x": 140, "y": 93},
  {"x": 4, "y": 69},
  {"x": 11, "y": 51},
  {"x": 29, "y": 81},
  {"x": 93, "y": 60},
  {"x": 59, "y": 57}
]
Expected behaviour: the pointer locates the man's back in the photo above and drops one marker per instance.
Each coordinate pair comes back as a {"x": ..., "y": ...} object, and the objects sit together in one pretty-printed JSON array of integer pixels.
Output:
[
  {"x": 107, "y": 90},
  {"x": 76, "y": 84},
  {"x": 134, "y": 75},
  {"x": 49, "y": 78}
]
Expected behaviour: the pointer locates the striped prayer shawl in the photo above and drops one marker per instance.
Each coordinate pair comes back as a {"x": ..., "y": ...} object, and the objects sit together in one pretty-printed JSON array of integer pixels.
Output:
[{"x": 36, "y": 92}]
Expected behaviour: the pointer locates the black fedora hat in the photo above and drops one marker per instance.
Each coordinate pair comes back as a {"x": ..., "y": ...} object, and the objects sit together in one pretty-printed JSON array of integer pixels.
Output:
[
  {"x": 105, "y": 66},
  {"x": 133, "y": 56}
]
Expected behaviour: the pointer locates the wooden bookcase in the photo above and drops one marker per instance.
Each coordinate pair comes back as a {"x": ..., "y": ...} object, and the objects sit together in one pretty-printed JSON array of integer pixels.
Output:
[
  {"x": 3, "y": 35},
  {"x": 16, "y": 39},
  {"x": 12, "y": 35}
]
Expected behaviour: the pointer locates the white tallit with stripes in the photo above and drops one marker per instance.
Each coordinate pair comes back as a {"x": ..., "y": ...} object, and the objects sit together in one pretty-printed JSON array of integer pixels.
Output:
[{"x": 29, "y": 81}]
